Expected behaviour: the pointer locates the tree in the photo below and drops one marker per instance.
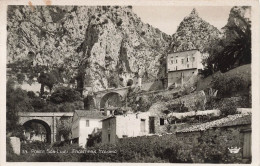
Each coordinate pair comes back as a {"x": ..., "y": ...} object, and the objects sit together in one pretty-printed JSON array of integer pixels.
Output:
[
  {"x": 65, "y": 94},
  {"x": 211, "y": 62},
  {"x": 16, "y": 101},
  {"x": 234, "y": 48},
  {"x": 64, "y": 127},
  {"x": 46, "y": 79},
  {"x": 238, "y": 48}
]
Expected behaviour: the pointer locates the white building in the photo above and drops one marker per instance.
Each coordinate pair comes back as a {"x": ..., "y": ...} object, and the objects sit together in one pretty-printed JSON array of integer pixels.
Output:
[
  {"x": 128, "y": 125},
  {"x": 84, "y": 124},
  {"x": 182, "y": 65}
]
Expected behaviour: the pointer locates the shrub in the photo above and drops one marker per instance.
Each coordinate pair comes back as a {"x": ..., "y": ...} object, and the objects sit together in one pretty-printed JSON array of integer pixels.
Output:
[
  {"x": 64, "y": 94},
  {"x": 228, "y": 108},
  {"x": 94, "y": 139},
  {"x": 35, "y": 145},
  {"x": 227, "y": 85},
  {"x": 137, "y": 149},
  {"x": 212, "y": 148}
]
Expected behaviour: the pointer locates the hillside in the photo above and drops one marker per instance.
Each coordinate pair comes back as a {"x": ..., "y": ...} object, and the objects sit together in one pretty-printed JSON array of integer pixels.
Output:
[
  {"x": 102, "y": 46},
  {"x": 243, "y": 71}
]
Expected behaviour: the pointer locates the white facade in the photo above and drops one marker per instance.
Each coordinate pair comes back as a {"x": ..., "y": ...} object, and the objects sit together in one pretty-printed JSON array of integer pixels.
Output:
[
  {"x": 82, "y": 127},
  {"x": 184, "y": 60},
  {"x": 129, "y": 125}
]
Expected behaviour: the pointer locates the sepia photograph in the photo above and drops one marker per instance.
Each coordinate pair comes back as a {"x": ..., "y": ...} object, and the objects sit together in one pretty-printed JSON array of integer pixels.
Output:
[{"x": 128, "y": 83}]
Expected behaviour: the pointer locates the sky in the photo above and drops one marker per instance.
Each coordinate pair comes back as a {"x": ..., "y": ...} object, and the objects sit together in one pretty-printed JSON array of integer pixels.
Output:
[{"x": 167, "y": 18}]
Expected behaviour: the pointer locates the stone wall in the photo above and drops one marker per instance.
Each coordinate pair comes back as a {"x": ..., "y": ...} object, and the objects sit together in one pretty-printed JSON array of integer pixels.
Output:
[
  {"x": 160, "y": 129},
  {"x": 175, "y": 76},
  {"x": 214, "y": 144},
  {"x": 191, "y": 99},
  {"x": 16, "y": 145}
]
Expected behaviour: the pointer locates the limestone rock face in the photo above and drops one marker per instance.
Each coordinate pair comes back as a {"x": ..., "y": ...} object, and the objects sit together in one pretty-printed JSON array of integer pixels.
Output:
[
  {"x": 107, "y": 44},
  {"x": 193, "y": 33},
  {"x": 240, "y": 16},
  {"x": 119, "y": 46}
]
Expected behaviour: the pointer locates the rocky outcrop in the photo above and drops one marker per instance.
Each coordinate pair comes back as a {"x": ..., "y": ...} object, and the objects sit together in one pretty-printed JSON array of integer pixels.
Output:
[
  {"x": 239, "y": 16},
  {"x": 193, "y": 33},
  {"x": 102, "y": 46}
]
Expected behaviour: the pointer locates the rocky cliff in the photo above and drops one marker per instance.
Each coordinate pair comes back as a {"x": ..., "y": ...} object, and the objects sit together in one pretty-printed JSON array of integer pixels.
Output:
[
  {"x": 193, "y": 33},
  {"x": 102, "y": 46},
  {"x": 240, "y": 17}
]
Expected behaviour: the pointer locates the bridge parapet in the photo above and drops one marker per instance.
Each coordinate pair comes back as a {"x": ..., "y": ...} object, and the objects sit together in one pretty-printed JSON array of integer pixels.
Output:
[
  {"x": 44, "y": 114},
  {"x": 111, "y": 90}
]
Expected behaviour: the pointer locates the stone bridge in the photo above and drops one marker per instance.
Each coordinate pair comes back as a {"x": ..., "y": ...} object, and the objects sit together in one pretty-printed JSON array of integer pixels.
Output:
[
  {"x": 47, "y": 119},
  {"x": 97, "y": 100}
]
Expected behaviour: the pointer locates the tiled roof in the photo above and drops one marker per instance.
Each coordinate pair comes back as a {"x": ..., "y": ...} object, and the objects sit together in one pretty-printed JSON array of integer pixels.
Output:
[
  {"x": 239, "y": 121},
  {"x": 184, "y": 53},
  {"x": 90, "y": 114},
  {"x": 231, "y": 120}
]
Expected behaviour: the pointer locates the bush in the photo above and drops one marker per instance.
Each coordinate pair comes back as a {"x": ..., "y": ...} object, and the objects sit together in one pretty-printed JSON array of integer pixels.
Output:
[
  {"x": 137, "y": 149},
  {"x": 212, "y": 148},
  {"x": 228, "y": 85},
  {"x": 35, "y": 145},
  {"x": 228, "y": 108},
  {"x": 94, "y": 139},
  {"x": 64, "y": 94}
]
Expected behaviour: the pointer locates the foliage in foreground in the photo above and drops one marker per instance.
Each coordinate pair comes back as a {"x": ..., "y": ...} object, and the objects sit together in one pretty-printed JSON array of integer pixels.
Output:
[{"x": 211, "y": 148}]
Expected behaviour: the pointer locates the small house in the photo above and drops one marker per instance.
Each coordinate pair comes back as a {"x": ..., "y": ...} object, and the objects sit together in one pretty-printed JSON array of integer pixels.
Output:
[
  {"x": 84, "y": 124},
  {"x": 127, "y": 125}
]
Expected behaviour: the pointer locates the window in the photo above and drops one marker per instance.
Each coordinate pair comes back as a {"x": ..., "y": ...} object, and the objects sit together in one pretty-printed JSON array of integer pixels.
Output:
[
  {"x": 161, "y": 121},
  {"x": 87, "y": 123},
  {"x": 193, "y": 59},
  {"x": 142, "y": 125},
  {"x": 108, "y": 137},
  {"x": 176, "y": 61},
  {"x": 171, "y": 61},
  {"x": 182, "y": 61},
  {"x": 188, "y": 59}
]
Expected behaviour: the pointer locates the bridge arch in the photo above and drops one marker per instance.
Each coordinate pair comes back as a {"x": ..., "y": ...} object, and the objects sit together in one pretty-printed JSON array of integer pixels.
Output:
[
  {"x": 89, "y": 103},
  {"x": 113, "y": 99},
  {"x": 46, "y": 126}
]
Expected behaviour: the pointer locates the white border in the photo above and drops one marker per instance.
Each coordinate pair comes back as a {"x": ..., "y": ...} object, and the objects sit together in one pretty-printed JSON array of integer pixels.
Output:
[{"x": 255, "y": 62}]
